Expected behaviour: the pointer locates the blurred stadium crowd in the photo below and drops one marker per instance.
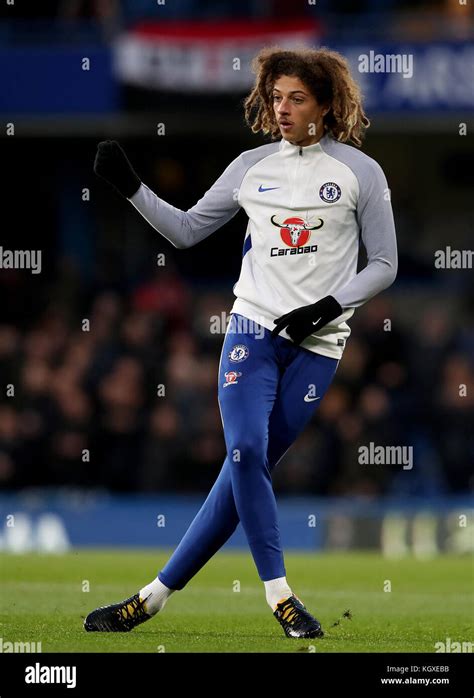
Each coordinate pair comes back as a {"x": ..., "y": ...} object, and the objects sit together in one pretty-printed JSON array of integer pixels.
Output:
[
  {"x": 89, "y": 406},
  {"x": 207, "y": 9},
  {"x": 346, "y": 19}
]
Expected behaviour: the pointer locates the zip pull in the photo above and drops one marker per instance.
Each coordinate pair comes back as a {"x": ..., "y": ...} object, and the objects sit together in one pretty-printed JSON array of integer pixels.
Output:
[{"x": 301, "y": 150}]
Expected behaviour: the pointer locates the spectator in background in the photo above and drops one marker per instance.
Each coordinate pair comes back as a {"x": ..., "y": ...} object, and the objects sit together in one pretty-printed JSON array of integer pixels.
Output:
[
  {"x": 452, "y": 427},
  {"x": 106, "y": 12}
]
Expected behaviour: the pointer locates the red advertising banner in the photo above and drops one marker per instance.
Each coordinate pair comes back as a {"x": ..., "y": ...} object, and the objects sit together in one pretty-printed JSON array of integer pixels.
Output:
[{"x": 203, "y": 56}]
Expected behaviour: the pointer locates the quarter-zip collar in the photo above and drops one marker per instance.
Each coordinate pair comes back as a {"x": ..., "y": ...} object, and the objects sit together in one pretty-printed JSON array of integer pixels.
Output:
[{"x": 288, "y": 148}]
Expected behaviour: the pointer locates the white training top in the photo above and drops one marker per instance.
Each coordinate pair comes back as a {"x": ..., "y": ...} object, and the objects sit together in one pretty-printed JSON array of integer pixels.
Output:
[{"x": 307, "y": 207}]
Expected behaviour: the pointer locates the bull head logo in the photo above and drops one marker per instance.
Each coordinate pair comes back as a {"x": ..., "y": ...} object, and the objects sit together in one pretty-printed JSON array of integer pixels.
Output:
[{"x": 295, "y": 227}]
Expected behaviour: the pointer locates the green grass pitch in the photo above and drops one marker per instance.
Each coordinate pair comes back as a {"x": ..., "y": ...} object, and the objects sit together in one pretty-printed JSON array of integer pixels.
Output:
[{"x": 43, "y": 600}]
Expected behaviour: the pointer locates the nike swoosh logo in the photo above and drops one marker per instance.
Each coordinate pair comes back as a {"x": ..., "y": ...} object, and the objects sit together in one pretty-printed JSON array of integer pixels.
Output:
[
  {"x": 262, "y": 188},
  {"x": 307, "y": 398},
  {"x": 315, "y": 323}
]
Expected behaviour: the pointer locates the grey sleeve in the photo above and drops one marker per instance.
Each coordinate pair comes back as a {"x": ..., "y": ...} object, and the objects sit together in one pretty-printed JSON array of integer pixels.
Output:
[
  {"x": 186, "y": 228},
  {"x": 375, "y": 218}
]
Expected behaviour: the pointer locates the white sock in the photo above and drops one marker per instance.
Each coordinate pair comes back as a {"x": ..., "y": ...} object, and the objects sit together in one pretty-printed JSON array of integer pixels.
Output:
[
  {"x": 276, "y": 590},
  {"x": 157, "y": 594}
]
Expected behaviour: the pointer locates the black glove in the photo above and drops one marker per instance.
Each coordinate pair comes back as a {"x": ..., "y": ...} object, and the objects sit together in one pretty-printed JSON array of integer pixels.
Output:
[
  {"x": 302, "y": 322},
  {"x": 112, "y": 164}
]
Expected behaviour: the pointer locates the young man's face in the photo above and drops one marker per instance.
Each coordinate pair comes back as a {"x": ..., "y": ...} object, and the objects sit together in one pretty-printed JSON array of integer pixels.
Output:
[{"x": 298, "y": 114}]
